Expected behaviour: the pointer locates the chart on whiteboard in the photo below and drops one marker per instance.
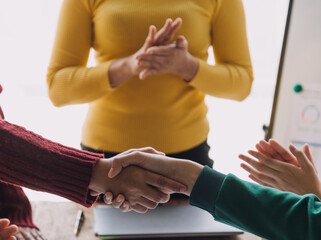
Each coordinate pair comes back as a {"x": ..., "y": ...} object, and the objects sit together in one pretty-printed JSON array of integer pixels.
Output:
[{"x": 305, "y": 124}]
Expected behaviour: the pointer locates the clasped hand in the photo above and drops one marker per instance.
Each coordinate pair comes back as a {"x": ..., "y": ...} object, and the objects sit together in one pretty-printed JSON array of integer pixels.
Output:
[
  {"x": 141, "y": 188},
  {"x": 157, "y": 55}
]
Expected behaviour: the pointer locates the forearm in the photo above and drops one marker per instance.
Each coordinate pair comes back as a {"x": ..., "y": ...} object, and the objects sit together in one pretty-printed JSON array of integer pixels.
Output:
[
  {"x": 120, "y": 71},
  {"x": 78, "y": 84},
  {"x": 31, "y": 161},
  {"x": 231, "y": 77},
  {"x": 266, "y": 212},
  {"x": 229, "y": 81}
]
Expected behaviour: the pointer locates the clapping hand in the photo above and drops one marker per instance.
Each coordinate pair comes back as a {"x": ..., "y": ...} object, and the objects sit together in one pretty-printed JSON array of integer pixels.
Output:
[
  {"x": 121, "y": 70},
  {"x": 292, "y": 171},
  {"x": 171, "y": 58}
]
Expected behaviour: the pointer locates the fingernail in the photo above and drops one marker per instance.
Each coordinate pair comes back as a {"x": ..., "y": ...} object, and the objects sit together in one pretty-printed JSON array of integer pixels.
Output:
[{"x": 118, "y": 200}]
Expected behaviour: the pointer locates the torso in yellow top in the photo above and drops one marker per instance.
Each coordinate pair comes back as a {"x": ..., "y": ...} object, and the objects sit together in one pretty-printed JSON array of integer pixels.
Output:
[{"x": 162, "y": 111}]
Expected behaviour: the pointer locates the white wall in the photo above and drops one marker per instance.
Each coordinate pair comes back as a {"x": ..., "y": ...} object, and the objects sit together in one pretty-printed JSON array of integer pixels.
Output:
[{"x": 26, "y": 38}]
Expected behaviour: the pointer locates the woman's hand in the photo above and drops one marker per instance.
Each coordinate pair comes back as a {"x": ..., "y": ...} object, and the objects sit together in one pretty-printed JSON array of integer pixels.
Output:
[
  {"x": 172, "y": 58},
  {"x": 27, "y": 233},
  {"x": 142, "y": 188},
  {"x": 300, "y": 178},
  {"x": 183, "y": 171},
  {"x": 121, "y": 70},
  {"x": 7, "y": 230}
]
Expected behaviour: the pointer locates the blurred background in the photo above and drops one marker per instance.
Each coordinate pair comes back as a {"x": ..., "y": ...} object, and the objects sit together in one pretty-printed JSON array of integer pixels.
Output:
[{"x": 27, "y": 30}]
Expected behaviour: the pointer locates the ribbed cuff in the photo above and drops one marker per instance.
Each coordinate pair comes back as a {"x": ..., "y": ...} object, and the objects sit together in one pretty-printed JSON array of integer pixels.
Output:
[
  {"x": 32, "y": 161},
  {"x": 206, "y": 189},
  {"x": 15, "y": 206}
]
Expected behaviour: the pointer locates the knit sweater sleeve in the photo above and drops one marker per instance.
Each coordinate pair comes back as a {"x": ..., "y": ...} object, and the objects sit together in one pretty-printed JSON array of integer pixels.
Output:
[
  {"x": 263, "y": 211},
  {"x": 231, "y": 77},
  {"x": 29, "y": 160},
  {"x": 69, "y": 80},
  {"x": 15, "y": 206}
]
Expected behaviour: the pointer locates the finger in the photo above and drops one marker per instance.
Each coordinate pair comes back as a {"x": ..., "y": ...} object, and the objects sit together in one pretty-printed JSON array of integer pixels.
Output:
[
  {"x": 118, "y": 201},
  {"x": 108, "y": 198},
  {"x": 162, "y": 51},
  {"x": 148, "y": 72},
  {"x": 94, "y": 193},
  {"x": 150, "y": 37},
  {"x": 154, "y": 195},
  {"x": 170, "y": 34},
  {"x": 130, "y": 154},
  {"x": 261, "y": 177},
  {"x": 259, "y": 181},
  {"x": 125, "y": 207},
  {"x": 148, "y": 161},
  {"x": 261, "y": 150},
  {"x": 147, "y": 203},
  {"x": 4, "y": 223},
  {"x": 307, "y": 152},
  {"x": 144, "y": 149},
  {"x": 162, "y": 33},
  {"x": 300, "y": 156},
  {"x": 145, "y": 64},
  {"x": 12, "y": 238},
  {"x": 8, "y": 231},
  {"x": 181, "y": 42},
  {"x": 285, "y": 154},
  {"x": 120, "y": 161},
  {"x": 138, "y": 208},
  {"x": 259, "y": 167},
  {"x": 162, "y": 182},
  {"x": 267, "y": 148},
  {"x": 270, "y": 162}
]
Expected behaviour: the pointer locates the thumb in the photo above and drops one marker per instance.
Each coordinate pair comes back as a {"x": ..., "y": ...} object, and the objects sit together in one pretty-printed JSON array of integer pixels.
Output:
[
  {"x": 300, "y": 156},
  {"x": 181, "y": 42},
  {"x": 121, "y": 161}
]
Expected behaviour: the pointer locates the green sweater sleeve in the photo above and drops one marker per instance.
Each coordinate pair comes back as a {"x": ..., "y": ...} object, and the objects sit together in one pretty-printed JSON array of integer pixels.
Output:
[{"x": 263, "y": 211}]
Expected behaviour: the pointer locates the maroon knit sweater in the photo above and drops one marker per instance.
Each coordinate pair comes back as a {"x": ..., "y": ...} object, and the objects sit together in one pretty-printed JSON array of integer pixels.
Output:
[{"x": 29, "y": 160}]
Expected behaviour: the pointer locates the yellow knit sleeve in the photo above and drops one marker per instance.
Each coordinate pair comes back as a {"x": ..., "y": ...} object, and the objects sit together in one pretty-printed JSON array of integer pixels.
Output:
[
  {"x": 231, "y": 77},
  {"x": 69, "y": 80}
]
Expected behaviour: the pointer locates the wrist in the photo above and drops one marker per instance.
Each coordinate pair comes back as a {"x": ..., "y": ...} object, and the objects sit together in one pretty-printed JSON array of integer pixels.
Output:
[
  {"x": 120, "y": 71},
  {"x": 100, "y": 181},
  {"x": 190, "y": 68},
  {"x": 187, "y": 173}
]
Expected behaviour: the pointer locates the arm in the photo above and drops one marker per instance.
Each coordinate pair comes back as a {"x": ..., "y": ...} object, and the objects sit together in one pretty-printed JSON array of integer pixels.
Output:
[
  {"x": 231, "y": 77},
  {"x": 263, "y": 211},
  {"x": 69, "y": 80},
  {"x": 28, "y": 160}
]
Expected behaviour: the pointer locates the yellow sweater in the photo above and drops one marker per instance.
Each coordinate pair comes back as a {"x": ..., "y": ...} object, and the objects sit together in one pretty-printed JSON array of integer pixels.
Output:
[{"x": 161, "y": 111}]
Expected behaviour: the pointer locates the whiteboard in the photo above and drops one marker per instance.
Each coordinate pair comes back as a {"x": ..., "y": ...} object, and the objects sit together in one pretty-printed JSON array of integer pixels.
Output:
[{"x": 296, "y": 116}]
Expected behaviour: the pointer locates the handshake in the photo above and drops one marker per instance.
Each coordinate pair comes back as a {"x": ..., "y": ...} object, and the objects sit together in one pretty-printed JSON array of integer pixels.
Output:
[{"x": 142, "y": 178}]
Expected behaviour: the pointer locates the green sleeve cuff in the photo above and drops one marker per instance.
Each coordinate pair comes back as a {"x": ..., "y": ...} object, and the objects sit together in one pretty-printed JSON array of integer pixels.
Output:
[{"x": 206, "y": 189}]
